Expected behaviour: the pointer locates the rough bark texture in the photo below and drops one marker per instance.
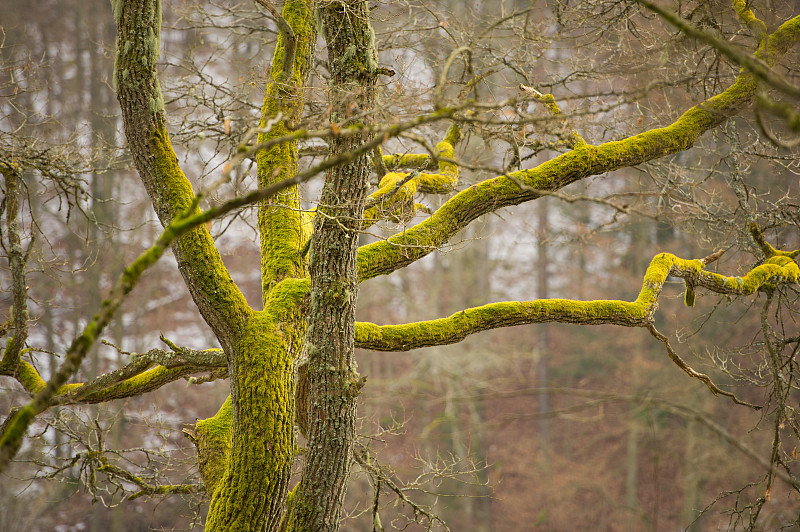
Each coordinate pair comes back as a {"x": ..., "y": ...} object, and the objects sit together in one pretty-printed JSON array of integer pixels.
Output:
[{"x": 333, "y": 380}]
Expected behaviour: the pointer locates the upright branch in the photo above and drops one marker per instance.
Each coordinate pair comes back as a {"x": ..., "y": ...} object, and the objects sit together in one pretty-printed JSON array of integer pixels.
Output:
[
  {"x": 282, "y": 227},
  {"x": 333, "y": 382},
  {"x": 10, "y": 360},
  {"x": 219, "y": 300}
]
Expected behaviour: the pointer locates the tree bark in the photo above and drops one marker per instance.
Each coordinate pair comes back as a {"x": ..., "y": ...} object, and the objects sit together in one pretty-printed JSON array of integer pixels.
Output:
[{"x": 333, "y": 380}]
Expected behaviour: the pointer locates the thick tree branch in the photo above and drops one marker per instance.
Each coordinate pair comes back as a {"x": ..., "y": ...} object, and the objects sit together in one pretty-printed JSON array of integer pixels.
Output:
[
  {"x": 638, "y": 313},
  {"x": 400, "y": 250},
  {"x": 138, "y": 46},
  {"x": 282, "y": 229},
  {"x": 16, "y": 262}
]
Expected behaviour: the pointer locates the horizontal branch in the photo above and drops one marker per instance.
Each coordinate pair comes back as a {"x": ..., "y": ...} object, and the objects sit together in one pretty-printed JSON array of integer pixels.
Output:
[
  {"x": 638, "y": 313},
  {"x": 123, "y": 382},
  {"x": 458, "y": 326}
]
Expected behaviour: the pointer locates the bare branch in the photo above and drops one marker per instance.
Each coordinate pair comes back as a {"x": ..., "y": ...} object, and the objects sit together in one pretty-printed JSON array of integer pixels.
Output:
[{"x": 289, "y": 38}]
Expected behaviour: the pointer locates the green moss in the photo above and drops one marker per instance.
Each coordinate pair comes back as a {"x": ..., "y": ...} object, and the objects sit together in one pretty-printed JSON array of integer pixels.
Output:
[
  {"x": 262, "y": 445},
  {"x": 211, "y": 281},
  {"x": 506, "y": 314},
  {"x": 140, "y": 384},
  {"x": 116, "y": 7},
  {"x": 219, "y": 425},
  {"x": 689, "y": 296},
  {"x": 29, "y": 378},
  {"x": 156, "y": 100},
  {"x": 213, "y": 440},
  {"x": 15, "y": 429},
  {"x": 409, "y": 160},
  {"x": 283, "y": 227},
  {"x": 638, "y": 313}
]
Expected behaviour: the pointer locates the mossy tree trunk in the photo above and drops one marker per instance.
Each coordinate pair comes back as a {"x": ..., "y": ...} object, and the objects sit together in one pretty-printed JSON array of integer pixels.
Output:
[
  {"x": 333, "y": 380},
  {"x": 246, "y": 451}
]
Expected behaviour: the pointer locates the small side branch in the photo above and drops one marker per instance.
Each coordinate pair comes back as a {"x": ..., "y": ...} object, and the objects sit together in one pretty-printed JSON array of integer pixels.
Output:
[
  {"x": 702, "y": 377},
  {"x": 766, "y": 247},
  {"x": 550, "y": 103},
  {"x": 382, "y": 478},
  {"x": 746, "y": 15},
  {"x": 176, "y": 357},
  {"x": 289, "y": 38}
]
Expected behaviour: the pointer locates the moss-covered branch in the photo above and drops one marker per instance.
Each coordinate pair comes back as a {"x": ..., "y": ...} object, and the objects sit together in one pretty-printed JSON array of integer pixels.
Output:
[
  {"x": 752, "y": 63},
  {"x": 394, "y": 198},
  {"x": 637, "y": 313},
  {"x": 766, "y": 247},
  {"x": 139, "y": 376},
  {"x": 746, "y": 15},
  {"x": 585, "y": 160},
  {"x": 138, "y": 46},
  {"x": 16, "y": 264},
  {"x": 212, "y": 437},
  {"x": 280, "y": 221}
]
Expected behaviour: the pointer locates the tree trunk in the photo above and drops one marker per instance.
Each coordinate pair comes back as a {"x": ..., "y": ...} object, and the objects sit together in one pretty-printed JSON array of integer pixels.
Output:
[{"x": 333, "y": 380}]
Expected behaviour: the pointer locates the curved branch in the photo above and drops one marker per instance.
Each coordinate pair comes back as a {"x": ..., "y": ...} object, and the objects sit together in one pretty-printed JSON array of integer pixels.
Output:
[
  {"x": 756, "y": 25},
  {"x": 550, "y": 103},
  {"x": 638, "y": 313},
  {"x": 400, "y": 250},
  {"x": 766, "y": 247}
]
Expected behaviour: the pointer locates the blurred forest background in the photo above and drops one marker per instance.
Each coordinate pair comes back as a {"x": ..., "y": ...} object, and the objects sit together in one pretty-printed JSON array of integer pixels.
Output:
[{"x": 543, "y": 427}]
